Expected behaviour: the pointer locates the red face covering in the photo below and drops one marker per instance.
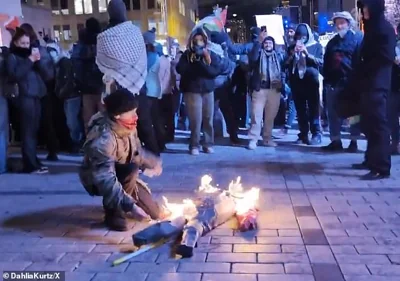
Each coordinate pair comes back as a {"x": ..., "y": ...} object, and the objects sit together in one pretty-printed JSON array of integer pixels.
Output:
[{"x": 130, "y": 124}]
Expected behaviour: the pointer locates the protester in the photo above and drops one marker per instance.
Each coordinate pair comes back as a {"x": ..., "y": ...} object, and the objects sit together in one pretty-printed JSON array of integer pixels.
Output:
[
  {"x": 88, "y": 78},
  {"x": 340, "y": 60},
  {"x": 4, "y": 122},
  {"x": 266, "y": 82},
  {"x": 289, "y": 35},
  {"x": 394, "y": 99},
  {"x": 240, "y": 90},
  {"x": 47, "y": 123},
  {"x": 305, "y": 60},
  {"x": 24, "y": 67},
  {"x": 112, "y": 158},
  {"x": 374, "y": 81},
  {"x": 198, "y": 68}
]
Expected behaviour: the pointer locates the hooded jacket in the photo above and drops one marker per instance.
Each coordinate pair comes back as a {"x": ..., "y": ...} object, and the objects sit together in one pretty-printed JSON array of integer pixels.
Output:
[
  {"x": 196, "y": 75},
  {"x": 377, "y": 51},
  {"x": 314, "y": 59},
  {"x": 109, "y": 143}
]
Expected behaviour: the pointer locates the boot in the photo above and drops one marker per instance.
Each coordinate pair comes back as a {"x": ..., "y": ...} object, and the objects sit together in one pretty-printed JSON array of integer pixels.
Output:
[
  {"x": 52, "y": 156},
  {"x": 353, "y": 147},
  {"x": 303, "y": 140},
  {"x": 115, "y": 220},
  {"x": 334, "y": 146},
  {"x": 316, "y": 139}
]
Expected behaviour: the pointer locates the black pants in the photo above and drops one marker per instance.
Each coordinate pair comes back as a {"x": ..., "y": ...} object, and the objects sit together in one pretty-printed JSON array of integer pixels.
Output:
[
  {"x": 150, "y": 128},
  {"x": 306, "y": 99},
  {"x": 30, "y": 113},
  {"x": 47, "y": 124},
  {"x": 168, "y": 116},
  {"x": 394, "y": 110},
  {"x": 127, "y": 175},
  {"x": 223, "y": 95},
  {"x": 374, "y": 114},
  {"x": 280, "y": 119}
]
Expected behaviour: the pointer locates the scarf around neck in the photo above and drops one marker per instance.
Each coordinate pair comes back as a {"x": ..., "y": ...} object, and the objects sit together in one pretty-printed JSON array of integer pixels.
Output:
[
  {"x": 270, "y": 68},
  {"x": 300, "y": 64}
]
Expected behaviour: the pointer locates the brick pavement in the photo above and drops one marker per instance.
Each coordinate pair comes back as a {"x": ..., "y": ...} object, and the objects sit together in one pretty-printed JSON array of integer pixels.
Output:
[{"x": 317, "y": 222}]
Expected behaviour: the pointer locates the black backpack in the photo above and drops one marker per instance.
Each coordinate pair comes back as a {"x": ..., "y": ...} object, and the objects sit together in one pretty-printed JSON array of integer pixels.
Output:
[{"x": 65, "y": 82}]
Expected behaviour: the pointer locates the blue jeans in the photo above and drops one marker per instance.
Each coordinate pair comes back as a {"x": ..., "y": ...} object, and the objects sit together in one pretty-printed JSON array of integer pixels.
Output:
[
  {"x": 4, "y": 130},
  {"x": 335, "y": 122},
  {"x": 72, "y": 109}
]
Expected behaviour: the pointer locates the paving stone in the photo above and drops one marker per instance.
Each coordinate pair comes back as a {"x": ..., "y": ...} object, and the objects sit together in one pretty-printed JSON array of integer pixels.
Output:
[
  {"x": 351, "y": 241},
  {"x": 308, "y": 223},
  {"x": 257, "y": 268},
  {"x": 294, "y": 249},
  {"x": 7, "y": 257},
  {"x": 327, "y": 272},
  {"x": 146, "y": 267},
  {"x": 335, "y": 232},
  {"x": 173, "y": 277},
  {"x": 304, "y": 211},
  {"x": 388, "y": 241},
  {"x": 395, "y": 259},
  {"x": 39, "y": 257},
  {"x": 232, "y": 240},
  {"x": 346, "y": 249},
  {"x": 283, "y": 258},
  {"x": 86, "y": 248},
  {"x": 289, "y": 233},
  {"x": 221, "y": 232},
  {"x": 314, "y": 237},
  {"x": 17, "y": 265},
  {"x": 320, "y": 254},
  {"x": 298, "y": 268},
  {"x": 383, "y": 250},
  {"x": 145, "y": 257},
  {"x": 229, "y": 277},
  {"x": 371, "y": 278},
  {"x": 387, "y": 270},
  {"x": 256, "y": 248},
  {"x": 72, "y": 257},
  {"x": 113, "y": 248},
  {"x": 354, "y": 269},
  {"x": 371, "y": 233},
  {"x": 205, "y": 267},
  {"x": 214, "y": 248},
  {"x": 362, "y": 259},
  {"x": 280, "y": 240},
  {"x": 231, "y": 257},
  {"x": 197, "y": 257},
  {"x": 119, "y": 277},
  {"x": 51, "y": 266},
  {"x": 95, "y": 267},
  {"x": 285, "y": 277}
]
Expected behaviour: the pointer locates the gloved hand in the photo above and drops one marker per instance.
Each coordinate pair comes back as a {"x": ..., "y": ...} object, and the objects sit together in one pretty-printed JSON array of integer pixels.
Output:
[
  {"x": 156, "y": 171},
  {"x": 139, "y": 214}
]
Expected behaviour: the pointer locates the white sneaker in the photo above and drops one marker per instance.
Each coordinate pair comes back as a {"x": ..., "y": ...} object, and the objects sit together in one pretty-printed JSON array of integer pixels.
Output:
[
  {"x": 208, "y": 150},
  {"x": 270, "y": 143},
  {"x": 252, "y": 145},
  {"x": 194, "y": 151}
]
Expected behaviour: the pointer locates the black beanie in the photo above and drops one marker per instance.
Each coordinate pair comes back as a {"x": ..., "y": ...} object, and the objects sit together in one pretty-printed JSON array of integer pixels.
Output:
[
  {"x": 301, "y": 31},
  {"x": 93, "y": 26},
  {"x": 120, "y": 101},
  {"x": 117, "y": 11}
]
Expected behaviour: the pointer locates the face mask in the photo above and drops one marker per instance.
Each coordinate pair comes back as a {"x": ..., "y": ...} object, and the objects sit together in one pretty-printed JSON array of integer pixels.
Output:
[
  {"x": 128, "y": 124},
  {"x": 303, "y": 39},
  {"x": 198, "y": 50},
  {"x": 54, "y": 56},
  {"x": 343, "y": 32}
]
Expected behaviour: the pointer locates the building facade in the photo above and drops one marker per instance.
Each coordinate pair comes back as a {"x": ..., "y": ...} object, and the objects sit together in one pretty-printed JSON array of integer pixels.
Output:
[
  {"x": 237, "y": 30},
  {"x": 175, "y": 18}
]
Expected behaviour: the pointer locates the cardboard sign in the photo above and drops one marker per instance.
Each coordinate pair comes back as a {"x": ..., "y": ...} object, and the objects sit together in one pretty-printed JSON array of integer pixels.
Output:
[{"x": 274, "y": 26}]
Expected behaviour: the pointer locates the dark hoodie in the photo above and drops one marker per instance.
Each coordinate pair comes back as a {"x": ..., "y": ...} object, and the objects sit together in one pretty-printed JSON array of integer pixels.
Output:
[
  {"x": 314, "y": 59},
  {"x": 88, "y": 78},
  {"x": 196, "y": 75},
  {"x": 377, "y": 50}
]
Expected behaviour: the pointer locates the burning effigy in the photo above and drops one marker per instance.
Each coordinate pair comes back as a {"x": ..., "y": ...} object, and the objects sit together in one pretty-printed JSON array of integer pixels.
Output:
[{"x": 194, "y": 218}]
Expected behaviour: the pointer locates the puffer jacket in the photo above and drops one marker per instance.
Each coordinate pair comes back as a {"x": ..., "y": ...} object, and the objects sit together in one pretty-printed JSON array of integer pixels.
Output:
[
  {"x": 108, "y": 143},
  {"x": 30, "y": 77}
]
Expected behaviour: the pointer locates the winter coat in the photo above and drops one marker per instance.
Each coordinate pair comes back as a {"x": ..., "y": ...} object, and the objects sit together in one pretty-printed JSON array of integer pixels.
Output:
[
  {"x": 108, "y": 143},
  {"x": 377, "y": 51},
  {"x": 165, "y": 75},
  {"x": 3, "y": 69},
  {"x": 176, "y": 77},
  {"x": 30, "y": 77},
  {"x": 88, "y": 78},
  {"x": 341, "y": 58},
  {"x": 255, "y": 83},
  {"x": 396, "y": 79},
  {"x": 314, "y": 59},
  {"x": 153, "y": 83}
]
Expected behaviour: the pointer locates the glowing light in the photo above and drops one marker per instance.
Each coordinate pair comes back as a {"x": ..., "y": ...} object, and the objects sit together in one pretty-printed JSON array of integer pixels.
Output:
[{"x": 234, "y": 15}]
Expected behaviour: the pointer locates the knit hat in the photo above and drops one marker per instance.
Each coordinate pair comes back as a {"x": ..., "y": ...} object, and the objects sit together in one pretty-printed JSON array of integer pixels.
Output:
[
  {"x": 117, "y": 11},
  {"x": 301, "y": 30},
  {"x": 292, "y": 26},
  {"x": 255, "y": 32},
  {"x": 150, "y": 36},
  {"x": 119, "y": 102},
  {"x": 93, "y": 26}
]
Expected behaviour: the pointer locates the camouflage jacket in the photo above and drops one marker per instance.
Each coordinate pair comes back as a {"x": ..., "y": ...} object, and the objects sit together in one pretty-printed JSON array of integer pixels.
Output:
[{"x": 109, "y": 143}]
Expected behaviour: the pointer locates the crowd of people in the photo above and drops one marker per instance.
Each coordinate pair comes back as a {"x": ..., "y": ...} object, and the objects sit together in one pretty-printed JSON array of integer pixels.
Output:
[{"x": 48, "y": 89}]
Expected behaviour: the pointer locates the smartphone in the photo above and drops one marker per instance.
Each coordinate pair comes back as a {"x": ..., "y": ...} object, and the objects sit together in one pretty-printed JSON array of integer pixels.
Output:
[{"x": 263, "y": 28}]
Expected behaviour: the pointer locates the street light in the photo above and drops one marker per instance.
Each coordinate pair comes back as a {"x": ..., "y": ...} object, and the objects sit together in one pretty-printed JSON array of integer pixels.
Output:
[
  {"x": 228, "y": 30},
  {"x": 234, "y": 15}
]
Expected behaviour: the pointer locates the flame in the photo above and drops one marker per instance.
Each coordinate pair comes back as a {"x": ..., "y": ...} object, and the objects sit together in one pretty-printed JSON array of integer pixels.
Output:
[
  {"x": 206, "y": 186},
  {"x": 186, "y": 209},
  {"x": 245, "y": 200}
]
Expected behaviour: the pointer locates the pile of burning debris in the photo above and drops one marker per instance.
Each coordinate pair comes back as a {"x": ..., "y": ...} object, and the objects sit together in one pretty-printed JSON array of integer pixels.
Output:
[{"x": 191, "y": 219}]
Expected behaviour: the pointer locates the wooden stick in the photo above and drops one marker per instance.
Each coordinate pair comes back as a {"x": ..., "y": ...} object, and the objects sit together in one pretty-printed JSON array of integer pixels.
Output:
[{"x": 140, "y": 251}]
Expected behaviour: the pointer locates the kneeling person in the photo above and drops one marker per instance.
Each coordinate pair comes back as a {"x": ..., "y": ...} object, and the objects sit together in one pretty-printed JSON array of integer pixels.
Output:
[{"x": 112, "y": 158}]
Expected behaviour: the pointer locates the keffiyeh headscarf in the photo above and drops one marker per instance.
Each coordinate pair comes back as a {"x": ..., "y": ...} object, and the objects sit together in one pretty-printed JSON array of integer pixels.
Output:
[{"x": 121, "y": 55}]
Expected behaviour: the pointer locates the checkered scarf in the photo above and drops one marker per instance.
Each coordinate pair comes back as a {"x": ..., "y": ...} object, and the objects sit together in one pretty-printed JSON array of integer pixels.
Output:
[{"x": 121, "y": 55}]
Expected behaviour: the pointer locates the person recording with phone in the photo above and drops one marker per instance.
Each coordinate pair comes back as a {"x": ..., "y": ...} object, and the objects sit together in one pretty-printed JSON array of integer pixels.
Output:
[
  {"x": 304, "y": 61},
  {"x": 24, "y": 71}
]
